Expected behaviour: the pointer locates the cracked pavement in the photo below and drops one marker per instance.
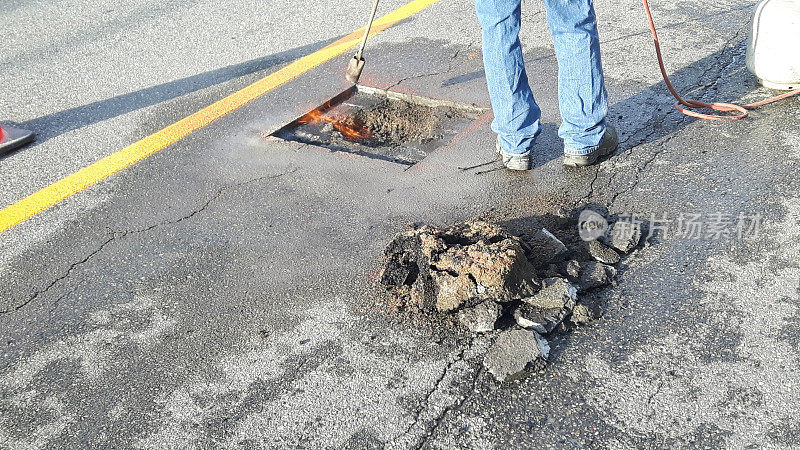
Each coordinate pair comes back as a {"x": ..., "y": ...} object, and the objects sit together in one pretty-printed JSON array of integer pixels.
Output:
[
  {"x": 220, "y": 292},
  {"x": 121, "y": 234}
]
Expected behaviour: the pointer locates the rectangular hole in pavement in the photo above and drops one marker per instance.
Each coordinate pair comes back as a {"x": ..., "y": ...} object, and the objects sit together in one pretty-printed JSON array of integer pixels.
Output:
[{"x": 381, "y": 124}]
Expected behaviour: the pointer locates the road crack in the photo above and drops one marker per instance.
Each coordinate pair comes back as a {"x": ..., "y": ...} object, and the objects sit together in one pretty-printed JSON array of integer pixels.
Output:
[
  {"x": 722, "y": 63},
  {"x": 121, "y": 234},
  {"x": 430, "y": 415},
  {"x": 440, "y": 418},
  {"x": 449, "y": 69}
]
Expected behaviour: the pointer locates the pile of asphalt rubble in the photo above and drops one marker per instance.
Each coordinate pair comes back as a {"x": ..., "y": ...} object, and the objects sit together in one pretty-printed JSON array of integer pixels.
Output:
[{"x": 521, "y": 289}]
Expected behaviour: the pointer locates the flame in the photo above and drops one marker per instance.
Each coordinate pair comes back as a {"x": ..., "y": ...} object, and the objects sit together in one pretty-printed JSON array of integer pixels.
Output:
[{"x": 349, "y": 130}]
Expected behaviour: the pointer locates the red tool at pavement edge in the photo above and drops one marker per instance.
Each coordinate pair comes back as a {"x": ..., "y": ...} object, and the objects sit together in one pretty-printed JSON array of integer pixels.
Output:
[{"x": 12, "y": 138}]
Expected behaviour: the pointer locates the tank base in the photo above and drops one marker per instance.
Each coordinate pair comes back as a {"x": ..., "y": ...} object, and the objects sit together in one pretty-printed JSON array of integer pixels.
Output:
[{"x": 780, "y": 86}]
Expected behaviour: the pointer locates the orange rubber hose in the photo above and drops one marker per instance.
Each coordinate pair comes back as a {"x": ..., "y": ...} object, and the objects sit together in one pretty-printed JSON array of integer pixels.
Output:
[{"x": 683, "y": 105}]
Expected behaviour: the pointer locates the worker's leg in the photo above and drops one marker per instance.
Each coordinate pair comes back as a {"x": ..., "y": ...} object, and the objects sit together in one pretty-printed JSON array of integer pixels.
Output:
[
  {"x": 516, "y": 115},
  {"x": 581, "y": 91}
]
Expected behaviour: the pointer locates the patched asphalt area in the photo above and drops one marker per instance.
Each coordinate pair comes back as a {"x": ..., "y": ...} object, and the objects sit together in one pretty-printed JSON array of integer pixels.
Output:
[{"x": 221, "y": 291}]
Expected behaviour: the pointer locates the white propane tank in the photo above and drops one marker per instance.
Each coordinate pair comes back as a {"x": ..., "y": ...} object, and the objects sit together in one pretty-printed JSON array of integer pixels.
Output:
[{"x": 773, "y": 49}]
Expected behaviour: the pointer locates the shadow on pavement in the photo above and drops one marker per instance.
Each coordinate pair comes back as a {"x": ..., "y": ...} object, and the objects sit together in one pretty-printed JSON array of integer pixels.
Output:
[
  {"x": 53, "y": 125},
  {"x": 642, "y": 117}
]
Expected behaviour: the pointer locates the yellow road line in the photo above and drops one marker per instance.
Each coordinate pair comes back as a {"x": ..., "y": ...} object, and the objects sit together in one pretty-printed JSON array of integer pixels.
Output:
[{"x": 91, "y": 174}]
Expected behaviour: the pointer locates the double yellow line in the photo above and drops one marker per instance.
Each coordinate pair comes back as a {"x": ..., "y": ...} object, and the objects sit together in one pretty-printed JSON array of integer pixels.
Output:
[{"x": 91, "y": 174}]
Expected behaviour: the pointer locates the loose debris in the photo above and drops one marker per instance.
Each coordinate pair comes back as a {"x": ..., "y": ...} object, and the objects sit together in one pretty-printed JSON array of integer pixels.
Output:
[
  {"x": 623, "y": 235},
  {"x": 513, "y": 353},
  {"x": 544, "y": 311},
  {"x": 481, "y": 317},
  {"x": 443, "y": 269},
  {"x": 522, "y": 287},
  {"x": 582, "y": 315},
  {"x": 594, "y": 275},
  {"x": 399, "y": 121},
  {"x": 603, "y": 253}
]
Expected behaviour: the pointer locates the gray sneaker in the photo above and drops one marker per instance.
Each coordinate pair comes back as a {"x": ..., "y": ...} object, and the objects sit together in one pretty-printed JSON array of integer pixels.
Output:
[
  {"x": 607, "y": 146},
  {"x": 513, "y": 161}
]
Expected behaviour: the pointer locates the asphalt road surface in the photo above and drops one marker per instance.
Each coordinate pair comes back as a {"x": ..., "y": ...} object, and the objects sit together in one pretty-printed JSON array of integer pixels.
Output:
[{"x": 218, "y": 293}]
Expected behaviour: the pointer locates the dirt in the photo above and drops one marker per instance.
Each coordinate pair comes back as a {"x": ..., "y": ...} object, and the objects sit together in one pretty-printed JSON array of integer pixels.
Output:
[
  {"x": 394, "y": 123},
  {"x": 444, "y": 269},
  {"x": 399, "y": 122},
  {"x": 515, "y": 352},
  {"x": 483, "y": 277},
  {"x": 392, "y": 130}
]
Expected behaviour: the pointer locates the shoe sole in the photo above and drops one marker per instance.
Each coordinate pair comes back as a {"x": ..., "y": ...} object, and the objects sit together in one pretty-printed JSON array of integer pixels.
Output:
[
  {"x": 519, "y": 163},
  {"x": 592, "y": 158},
  {"x": 570, "y": 161}
]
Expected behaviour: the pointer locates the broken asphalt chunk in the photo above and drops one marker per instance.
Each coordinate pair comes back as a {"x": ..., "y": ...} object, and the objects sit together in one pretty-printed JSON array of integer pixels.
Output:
[
  {"x": 515, "y": 352},
  {"x": 555, "y": 293},
  {"x": 541, "y": 320},
  {"x": 623, "y": 235},
  {"x": 603, "y": 253},
  {"x": 444, "y": 269},
  {"x": 582, "y": 315},
  {"x": 544, "y": 248},
  {"x": 544, "y": 311},
  {"x": 480, "y": 318},
  {"x": 573, "y": 269},
  {"x": 594, "y": 275}
]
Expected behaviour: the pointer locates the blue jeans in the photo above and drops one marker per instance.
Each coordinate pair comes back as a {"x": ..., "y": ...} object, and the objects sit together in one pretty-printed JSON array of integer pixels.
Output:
[{"x": 582, "y": 95}]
